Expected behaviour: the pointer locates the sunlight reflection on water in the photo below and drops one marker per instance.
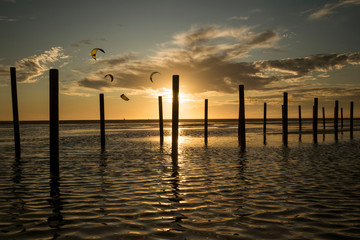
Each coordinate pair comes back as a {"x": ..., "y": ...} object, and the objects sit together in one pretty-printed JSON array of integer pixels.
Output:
[{"x": 139, "y": 189}]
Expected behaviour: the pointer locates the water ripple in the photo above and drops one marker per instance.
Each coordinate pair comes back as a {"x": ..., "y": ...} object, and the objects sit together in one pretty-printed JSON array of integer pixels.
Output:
[{"x": 138, "y": 190}]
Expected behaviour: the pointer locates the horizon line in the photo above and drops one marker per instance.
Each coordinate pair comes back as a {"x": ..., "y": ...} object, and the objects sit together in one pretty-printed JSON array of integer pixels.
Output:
[{"x": 5, "y": 122}]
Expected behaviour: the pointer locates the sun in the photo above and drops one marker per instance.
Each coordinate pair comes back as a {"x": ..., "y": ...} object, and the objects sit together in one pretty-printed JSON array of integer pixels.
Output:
[{"x": 167, "y": 96}]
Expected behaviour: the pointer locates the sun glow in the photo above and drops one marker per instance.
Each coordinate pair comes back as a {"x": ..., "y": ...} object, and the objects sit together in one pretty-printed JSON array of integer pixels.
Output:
[{"x": 167, "y": 96}]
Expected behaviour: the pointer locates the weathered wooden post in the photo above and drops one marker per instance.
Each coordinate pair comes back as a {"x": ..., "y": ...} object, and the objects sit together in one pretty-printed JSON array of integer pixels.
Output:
[
  {"x": 15, "y": 113},
  {"x": 241, "y": 122},
  {"x": 264, "y": 127},
  {"x": 300, "y": 127},
  {"x": 102, "y": 122},
  {"x": 351, "y": 120},
  {"x": 315, "y": 119},
  {"x": 54, "y": 122},
  {"x": 336, "y": 119},
  {"x": 285, "y": 119},
  {"x": 323, "y": 118},
  {"x": 206, "y": 122},
  {"x": 161, "y": 121},
  {"x": 175, "y": 115}
]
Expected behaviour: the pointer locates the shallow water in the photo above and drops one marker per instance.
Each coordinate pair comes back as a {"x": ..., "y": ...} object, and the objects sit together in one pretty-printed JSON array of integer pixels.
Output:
[{"x": 137, "y": 190}]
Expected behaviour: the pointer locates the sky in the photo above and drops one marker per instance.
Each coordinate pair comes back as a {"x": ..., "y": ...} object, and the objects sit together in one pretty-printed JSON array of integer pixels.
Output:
[{"x": 308, "y": 48}]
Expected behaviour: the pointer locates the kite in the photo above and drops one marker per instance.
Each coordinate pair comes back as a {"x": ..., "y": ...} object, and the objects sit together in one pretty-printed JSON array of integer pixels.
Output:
[
  {"x": 124, "y": 97},
  {"x": 111, "y": 77},
  {"x": 94, "y": 51},
  {"x": 152, "y": 74}
]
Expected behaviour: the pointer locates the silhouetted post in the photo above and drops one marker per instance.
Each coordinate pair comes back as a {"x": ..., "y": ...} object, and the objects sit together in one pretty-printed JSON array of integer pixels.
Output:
[
  {"x": 323, "y": 118},
  {"x": 351, "y": 120},
  {"x": 241, "y": 124},
  {"x": 54, "y": 122},
  {"x": 206, "y": 121},
  {"x": 315, "y": 119},
  {"x": 300, "y": 127},
  {"x": 161, "y": 121},
  {"x": 342, "y": 120},
  {"x": 264, "y": 128},
  {"x": 175, "y": 114},
  {"x": 285, "y": 119},
  {"x": 15, "y": 112},
  {"x": 336, "y": 119},
  {"x": 102, "y": 122}
]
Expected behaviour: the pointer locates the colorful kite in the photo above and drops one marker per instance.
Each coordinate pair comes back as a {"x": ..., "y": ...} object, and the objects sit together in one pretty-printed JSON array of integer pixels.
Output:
[
  {"x": 124, "y": 97},
  {"x": 111, "y": 77},
  {"x": 94, "y": 51},
  {"x": 152, "y": 74}
]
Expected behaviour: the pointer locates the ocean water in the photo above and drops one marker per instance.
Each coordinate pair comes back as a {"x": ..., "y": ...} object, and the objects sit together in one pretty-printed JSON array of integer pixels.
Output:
[{"x": 136, "y": 189}]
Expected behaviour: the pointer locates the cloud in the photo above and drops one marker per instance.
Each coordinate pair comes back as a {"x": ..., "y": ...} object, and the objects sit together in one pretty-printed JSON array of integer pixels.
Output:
[
  {"x": 73, "y": 90},
  {"x": 82, "y": 42},
  {"x": 206, "y": 54},
  {"x": 330, "y": 8},
  {"x": 28, "y": 69},
  {"x": 300, "y": 67},
  {"x": 7, "y": 19},
  {"x": 209, "y": 60},
  {"x": 243, "y": 18}
]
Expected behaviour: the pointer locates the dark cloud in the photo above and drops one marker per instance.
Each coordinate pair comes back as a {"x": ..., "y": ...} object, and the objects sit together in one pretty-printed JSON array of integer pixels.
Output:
[
  {"x": 208, "y": 59},
  {"x": 87, "y": 42},
  {"x": 117, "y": 60},
  {"x": 94, "y": 84},
  {"x": 262, "y": 38},
  {"x": 82, "y": 42},
  {"x": 299, "y": 67}
]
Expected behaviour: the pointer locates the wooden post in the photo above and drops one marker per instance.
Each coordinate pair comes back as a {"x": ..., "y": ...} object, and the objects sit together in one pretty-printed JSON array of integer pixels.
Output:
[
  {"x": 54, "y": 122},
  {"x": 175, "y": 115},
  {"x": 315, "y": 119},
  {"x": 323, "y": 118},
  {"x": 264, "y": 127},
  {"x": 161, "y": 121},
  {"x": 206, "y": 121},
  {"x": 336, "y": 119},
  {"x": 351, "y": 120},
  {"x": 241, "y": 123},
  {"x": 285, "y": 119},
  {"x": 300, "y": 127},
  {"x": 15, "y": 113},
  {"x": 102, "y": 122}
]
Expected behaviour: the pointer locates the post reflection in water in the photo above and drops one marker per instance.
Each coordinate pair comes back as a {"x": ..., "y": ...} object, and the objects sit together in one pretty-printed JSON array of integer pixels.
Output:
[
  {"x": 103, "y": 184},
  {"x": 176, "y": 192},
  {"x": 241, "y": 211},
  {"x": 18, "y": 204},
  {"x": 55, "y": 220},
  {"x": 17, "y": 171},
  {"x": 175, "y": 178}
]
